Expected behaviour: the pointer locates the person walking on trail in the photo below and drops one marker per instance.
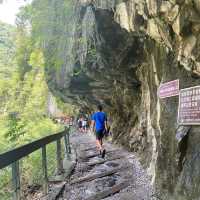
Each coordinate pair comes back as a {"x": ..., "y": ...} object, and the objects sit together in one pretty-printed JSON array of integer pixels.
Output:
[
  {"x": 80, "y": 124},
  {"x": 84, "y": 124},
  {"x": 99, "y": 125}
]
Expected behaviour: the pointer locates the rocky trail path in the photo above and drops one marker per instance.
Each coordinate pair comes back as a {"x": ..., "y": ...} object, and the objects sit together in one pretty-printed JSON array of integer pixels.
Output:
[{"x": 119, "y": 176}]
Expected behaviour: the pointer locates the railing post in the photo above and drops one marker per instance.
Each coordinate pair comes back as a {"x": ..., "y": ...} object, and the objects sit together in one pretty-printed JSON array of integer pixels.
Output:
[
  {"x": 16, "y": 180},
  {"x": 44, "y": 169},
  {"x": 69, "y": 147},
  {"x": 59, "y": 158},
  {"x": 66, "y": 143}
]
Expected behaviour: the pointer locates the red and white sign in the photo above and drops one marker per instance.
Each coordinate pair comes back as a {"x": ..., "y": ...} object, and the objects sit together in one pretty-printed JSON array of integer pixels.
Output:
[
  {"x": 169, "y": 89},
  {"x": 189, "y": 106}
]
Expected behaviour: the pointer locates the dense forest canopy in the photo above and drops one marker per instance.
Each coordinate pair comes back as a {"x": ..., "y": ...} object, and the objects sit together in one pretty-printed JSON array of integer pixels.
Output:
[
  {"x": 24, "y": 95},
  {"x": 23, "y": 90}
]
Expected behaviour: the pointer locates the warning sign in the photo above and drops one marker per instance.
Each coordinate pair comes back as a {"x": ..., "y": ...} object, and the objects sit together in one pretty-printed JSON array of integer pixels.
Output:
[
  {"x": 169, "y": 89},
  {"x": 189, "y": 106}
]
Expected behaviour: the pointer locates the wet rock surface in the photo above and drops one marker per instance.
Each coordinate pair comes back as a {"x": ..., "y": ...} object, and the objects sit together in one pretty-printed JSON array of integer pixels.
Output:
[{"x": 125, "y": 178}]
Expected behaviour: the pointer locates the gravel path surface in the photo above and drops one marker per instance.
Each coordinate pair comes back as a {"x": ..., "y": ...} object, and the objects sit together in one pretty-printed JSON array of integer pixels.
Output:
[{"x": 119, "y": 176}]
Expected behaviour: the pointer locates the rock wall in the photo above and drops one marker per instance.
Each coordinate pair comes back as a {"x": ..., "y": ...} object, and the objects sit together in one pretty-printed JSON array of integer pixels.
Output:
[{"x": 122, "y": 51}]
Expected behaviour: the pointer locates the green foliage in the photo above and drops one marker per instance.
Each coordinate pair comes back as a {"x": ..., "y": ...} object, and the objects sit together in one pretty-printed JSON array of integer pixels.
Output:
[
  {"x": 36, "y": 58},
  {"x": 5, "y": 184},
  {"x": 37, "y": 42},
  {"x": 7, "y": 48},
  {"x": 16, "y": 128},
  {"x": 23, "y": 52},
  {"x": 23, "y": 99}
]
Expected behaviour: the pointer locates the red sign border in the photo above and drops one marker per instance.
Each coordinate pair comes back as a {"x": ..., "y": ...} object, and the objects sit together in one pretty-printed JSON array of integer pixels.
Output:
[{"x": 186, "y": 123}]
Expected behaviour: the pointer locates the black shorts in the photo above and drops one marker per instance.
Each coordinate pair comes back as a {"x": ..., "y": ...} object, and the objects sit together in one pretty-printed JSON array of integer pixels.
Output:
[{"x": 99, "y": 134}]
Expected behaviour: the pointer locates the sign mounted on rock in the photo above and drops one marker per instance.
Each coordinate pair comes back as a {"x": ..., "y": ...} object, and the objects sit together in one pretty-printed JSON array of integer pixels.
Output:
[
  {"x": 169, "y": 89},
  {"x": 189, "y": 106}
]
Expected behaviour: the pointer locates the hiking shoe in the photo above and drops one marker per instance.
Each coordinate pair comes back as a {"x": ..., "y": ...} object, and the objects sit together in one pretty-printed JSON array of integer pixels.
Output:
[{"x": 103, "y": 153}]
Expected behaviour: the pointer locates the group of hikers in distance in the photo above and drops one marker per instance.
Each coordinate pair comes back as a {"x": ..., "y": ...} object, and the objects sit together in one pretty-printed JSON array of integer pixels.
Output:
[
  {"x": 83, "y": 124},
  {"x": 98, "y": 125}
]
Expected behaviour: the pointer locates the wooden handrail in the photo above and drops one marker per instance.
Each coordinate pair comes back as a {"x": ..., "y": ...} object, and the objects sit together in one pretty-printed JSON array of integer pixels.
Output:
[{"x": 12, "y": 158}]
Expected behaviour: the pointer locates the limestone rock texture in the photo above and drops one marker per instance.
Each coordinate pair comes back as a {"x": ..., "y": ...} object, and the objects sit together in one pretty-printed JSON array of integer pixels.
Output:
[{"x": 119, "y": 52}]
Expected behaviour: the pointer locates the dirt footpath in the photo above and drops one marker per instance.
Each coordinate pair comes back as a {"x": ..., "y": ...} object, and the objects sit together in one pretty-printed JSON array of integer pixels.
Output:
[{"x": 119, "y": 176}]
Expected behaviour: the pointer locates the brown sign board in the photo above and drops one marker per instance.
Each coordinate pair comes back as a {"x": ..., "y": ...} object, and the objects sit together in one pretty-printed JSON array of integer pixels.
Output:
[
  {"x": 189, "y": 106},
  {"x": 169, "y": 89}
]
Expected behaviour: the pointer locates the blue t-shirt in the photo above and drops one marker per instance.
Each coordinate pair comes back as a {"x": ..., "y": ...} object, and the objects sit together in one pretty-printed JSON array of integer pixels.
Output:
[{"x": 99, "y": 118}]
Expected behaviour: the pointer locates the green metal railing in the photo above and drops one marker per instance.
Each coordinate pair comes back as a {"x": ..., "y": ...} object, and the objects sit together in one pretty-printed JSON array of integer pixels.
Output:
[{"x": 12, "y": 158}]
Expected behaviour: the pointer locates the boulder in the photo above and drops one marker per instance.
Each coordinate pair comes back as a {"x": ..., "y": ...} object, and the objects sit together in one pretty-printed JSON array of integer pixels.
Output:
[
  {"x": 121, "y": 16},
  {"x": 178, "y": 24},
  {"x": 197, "y": 5},
  {"x": 153, "y": 30},
  {"x": 166, "y": 6},
  {"x": 153, "y": 7},
  {"x": 158, "y": 31},
  {"x": 173, "y": 13},
  {"x": 189, "y": 44}
]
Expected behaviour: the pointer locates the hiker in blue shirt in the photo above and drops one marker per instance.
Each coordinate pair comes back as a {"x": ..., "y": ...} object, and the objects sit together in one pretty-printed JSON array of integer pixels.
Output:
[{"x": 99, "y": 125}]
